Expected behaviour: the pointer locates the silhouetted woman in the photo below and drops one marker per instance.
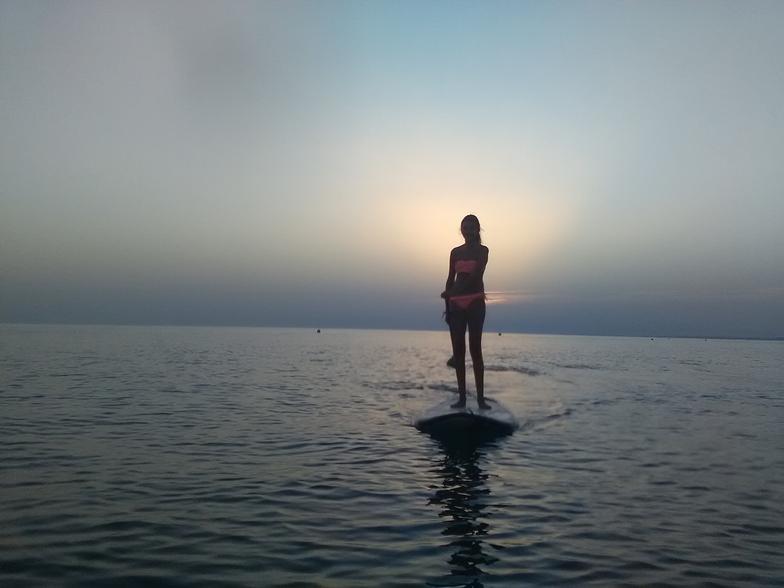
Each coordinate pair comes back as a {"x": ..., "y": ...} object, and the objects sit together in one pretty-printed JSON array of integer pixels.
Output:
[{"x": 465, "y": 296}]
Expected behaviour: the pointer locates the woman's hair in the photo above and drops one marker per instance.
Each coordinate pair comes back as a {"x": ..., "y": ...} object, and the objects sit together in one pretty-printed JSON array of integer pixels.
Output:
[{"x": 471, "y": 217}]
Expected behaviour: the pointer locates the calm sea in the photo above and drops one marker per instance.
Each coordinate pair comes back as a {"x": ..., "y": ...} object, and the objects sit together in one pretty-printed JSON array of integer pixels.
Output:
[{"x": 151, "y": 456}]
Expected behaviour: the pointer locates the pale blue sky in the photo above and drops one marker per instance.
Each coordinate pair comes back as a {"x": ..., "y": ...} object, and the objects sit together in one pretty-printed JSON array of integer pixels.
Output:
[{"x": 308, "y": 163}]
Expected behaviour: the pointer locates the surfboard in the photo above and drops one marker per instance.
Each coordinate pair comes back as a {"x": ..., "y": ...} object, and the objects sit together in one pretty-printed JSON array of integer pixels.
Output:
[{"x": 442, "y": 419}]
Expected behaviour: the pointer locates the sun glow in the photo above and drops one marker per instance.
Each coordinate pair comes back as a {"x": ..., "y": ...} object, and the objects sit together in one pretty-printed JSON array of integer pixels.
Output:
[
  {"x": 412, "y": 233},
  {"x": 409, "y": 194}
]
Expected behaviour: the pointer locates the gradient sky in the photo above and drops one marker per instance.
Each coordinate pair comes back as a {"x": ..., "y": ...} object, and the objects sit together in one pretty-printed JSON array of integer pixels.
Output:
[{"x": 308, "y": 163}]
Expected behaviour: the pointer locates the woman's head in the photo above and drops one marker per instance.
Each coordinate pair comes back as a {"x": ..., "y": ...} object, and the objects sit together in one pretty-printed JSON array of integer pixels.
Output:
[{"x": 470, "y": 228}]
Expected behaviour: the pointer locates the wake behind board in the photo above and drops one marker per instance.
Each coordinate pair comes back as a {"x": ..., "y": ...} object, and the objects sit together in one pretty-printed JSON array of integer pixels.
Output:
[{"x": 442, "y": 419}]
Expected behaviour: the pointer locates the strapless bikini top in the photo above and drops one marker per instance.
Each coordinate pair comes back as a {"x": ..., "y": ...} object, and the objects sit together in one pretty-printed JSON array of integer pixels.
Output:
[{"x": 465, "y": 267}]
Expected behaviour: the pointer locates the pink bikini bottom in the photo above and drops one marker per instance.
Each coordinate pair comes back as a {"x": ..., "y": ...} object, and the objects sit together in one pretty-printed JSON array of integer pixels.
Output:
[{"x": 465, "y": 299}]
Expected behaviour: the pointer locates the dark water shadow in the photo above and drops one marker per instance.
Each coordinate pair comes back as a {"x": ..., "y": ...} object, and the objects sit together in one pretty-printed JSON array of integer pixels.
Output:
[{"x": 463, "y": 496}]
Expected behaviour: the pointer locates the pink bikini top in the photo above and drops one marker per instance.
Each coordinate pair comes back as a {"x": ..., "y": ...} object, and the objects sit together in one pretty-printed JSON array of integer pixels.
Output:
[{"x": 465, "y": 267}]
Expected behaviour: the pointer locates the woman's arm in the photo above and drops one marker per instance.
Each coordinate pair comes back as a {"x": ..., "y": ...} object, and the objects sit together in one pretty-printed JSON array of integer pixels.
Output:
[
  {"x": 481, "y": 264},
  {"x": 450, "y": 279}
]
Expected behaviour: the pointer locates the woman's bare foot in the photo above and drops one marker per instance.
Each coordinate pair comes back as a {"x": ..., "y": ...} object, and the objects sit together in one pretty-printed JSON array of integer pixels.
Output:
[
  {"x": 459, "y": 404},
  {"x": 451, "y": 362},
  {"x": 483, "y": 404}
]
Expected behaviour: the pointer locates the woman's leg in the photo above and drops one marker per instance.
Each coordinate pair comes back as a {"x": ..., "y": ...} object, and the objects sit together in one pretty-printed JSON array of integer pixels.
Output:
[
  {"x": 457, "y": 329},
  {"x": 476, "y": 320}
]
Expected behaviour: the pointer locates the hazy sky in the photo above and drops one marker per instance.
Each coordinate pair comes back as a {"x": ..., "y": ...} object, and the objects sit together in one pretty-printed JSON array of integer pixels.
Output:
[{"x": 308, "y": 163}]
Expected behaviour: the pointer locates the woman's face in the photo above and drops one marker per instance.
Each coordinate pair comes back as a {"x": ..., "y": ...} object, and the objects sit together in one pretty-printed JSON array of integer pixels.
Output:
[{"x": 470, "y": 229}]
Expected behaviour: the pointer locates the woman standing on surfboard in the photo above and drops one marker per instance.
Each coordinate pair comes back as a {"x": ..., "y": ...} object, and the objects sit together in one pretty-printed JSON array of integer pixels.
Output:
[{"x": 465, "y": 296}]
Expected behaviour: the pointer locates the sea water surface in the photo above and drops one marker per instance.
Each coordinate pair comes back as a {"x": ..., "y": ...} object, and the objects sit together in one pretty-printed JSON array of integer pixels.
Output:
[{"x": 160, "y": 456}]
